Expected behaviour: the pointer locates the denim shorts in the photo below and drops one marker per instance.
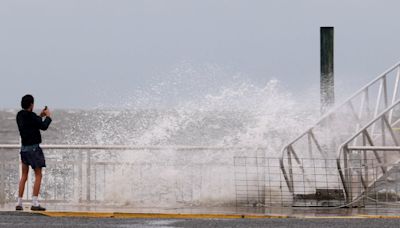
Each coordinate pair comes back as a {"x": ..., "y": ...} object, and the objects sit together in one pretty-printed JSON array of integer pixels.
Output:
[{"x": 33, "y": 156}]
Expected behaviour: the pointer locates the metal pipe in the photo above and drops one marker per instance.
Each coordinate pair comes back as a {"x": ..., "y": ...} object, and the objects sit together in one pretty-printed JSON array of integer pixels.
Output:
[
  {"x": 2, "y": 183},
  {"x": 346, "y": 176},
  {"x": 386, "y": 121},
  {"x": 395, "y": 91},
  {"x": 88, "y": 175},
  {"x": 290, "y": 169},
  {"x": 285, "y": 175},
  {"x": 374, "y": 148},
  {"x": 378, "y": 103},
  {"x": 128, "y": 147}
]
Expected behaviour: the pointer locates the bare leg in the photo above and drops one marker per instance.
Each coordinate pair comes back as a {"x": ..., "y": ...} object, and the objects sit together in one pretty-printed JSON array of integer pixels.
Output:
[
  {"x": 24, "y": 177},
  {"x": 38, "y": 181}
]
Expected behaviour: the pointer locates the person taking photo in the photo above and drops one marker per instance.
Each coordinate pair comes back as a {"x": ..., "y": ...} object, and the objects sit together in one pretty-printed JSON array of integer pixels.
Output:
[{"x": 29, "y": 126}]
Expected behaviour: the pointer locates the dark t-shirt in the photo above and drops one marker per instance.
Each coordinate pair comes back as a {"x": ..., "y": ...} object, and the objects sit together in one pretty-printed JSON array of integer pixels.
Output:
[{"x": 29, "y": 126}]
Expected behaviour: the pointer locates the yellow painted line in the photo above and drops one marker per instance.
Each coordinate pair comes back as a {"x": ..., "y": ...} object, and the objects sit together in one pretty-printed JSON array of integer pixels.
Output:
[
  {"x": 155, "y": 215},
  {"x": 382, "y": 216},
  {"x": 176, "y": 216},
  {"x": 353, "y": 217},
  {"x": 76, "y": 214},
  {"x": 266, "y": 216},
  {"x": 333, "y": 217},
  {"x": 201, "y": 216}
]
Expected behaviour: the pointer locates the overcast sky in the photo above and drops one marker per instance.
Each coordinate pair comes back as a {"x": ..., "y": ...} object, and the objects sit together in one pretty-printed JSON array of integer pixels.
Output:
[{"x": 79, "y": 53}]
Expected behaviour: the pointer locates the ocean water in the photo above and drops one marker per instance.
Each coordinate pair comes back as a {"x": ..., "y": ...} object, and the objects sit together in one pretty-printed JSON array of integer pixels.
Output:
[{"x": 244, "y": 115}]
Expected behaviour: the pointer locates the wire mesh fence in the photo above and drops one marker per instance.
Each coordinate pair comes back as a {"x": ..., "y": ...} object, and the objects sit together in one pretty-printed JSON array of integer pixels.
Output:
[{"x": 316, "y": 183}]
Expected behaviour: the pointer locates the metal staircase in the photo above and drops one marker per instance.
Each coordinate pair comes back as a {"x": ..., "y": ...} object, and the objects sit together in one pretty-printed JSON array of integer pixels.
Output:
[
  {"x": 371, "y": 156},
  {"x": 352, "y": 128}
]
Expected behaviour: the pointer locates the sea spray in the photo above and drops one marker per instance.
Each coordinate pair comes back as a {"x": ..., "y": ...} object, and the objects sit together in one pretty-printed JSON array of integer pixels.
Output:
[{"x": 242, "y": 120}]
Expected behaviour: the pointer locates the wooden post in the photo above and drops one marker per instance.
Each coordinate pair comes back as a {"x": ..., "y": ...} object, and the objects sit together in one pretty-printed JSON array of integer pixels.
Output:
[{"x": 327, "y": 74}]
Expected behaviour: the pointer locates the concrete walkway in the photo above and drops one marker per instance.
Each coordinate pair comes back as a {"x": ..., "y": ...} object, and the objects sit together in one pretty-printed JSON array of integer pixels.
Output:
[
  {"x": 99, "y": 211},
  {"x": 32, "y": 220}
]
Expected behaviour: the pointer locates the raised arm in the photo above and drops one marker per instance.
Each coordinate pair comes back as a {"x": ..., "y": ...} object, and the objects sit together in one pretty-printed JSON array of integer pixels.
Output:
[{"x": 42, "y": 124}]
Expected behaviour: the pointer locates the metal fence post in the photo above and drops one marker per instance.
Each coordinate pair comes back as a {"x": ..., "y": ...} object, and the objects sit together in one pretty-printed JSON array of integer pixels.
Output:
[
  {"x": 2, "y": 183},
  {"x": 346, "y": 175},
  {"x": 80, "y": 176},
  {"x": 88, "y": 176}
]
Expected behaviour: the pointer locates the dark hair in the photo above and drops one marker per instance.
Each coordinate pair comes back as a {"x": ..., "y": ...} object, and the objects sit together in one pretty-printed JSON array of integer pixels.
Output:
[{"x": 26, "y": 101}]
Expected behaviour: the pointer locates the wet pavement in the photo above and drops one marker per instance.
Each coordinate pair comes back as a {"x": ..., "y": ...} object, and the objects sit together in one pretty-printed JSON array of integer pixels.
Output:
[
  {"x": 291, "y": 212},
  {"x": 25, "y": 219},
  {"x": 279, "y": 217}
]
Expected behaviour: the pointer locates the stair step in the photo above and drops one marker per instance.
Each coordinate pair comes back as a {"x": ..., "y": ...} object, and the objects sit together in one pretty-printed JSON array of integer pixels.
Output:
[{"x": 321, "y": 198}]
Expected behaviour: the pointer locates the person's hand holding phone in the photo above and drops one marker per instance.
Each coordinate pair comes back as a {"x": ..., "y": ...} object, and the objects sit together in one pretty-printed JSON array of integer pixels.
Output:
[{"x": 45, "y": 112}]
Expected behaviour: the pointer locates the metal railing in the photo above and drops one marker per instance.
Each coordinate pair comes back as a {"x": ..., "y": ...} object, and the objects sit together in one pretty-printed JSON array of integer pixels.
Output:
[
  {"x": 129, "y": 147},
  {"x": 378, "y": 140},
  {"x": 95, "y": 173},
  {"x": 340, "y": 123}
]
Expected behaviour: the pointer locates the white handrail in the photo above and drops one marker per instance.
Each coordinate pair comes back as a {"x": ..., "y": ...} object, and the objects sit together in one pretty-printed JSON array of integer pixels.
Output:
[
  {"x": 129, "y": 147},
  {"x": 370, "y": 123},
  {"x": 375, "y": 148}
]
